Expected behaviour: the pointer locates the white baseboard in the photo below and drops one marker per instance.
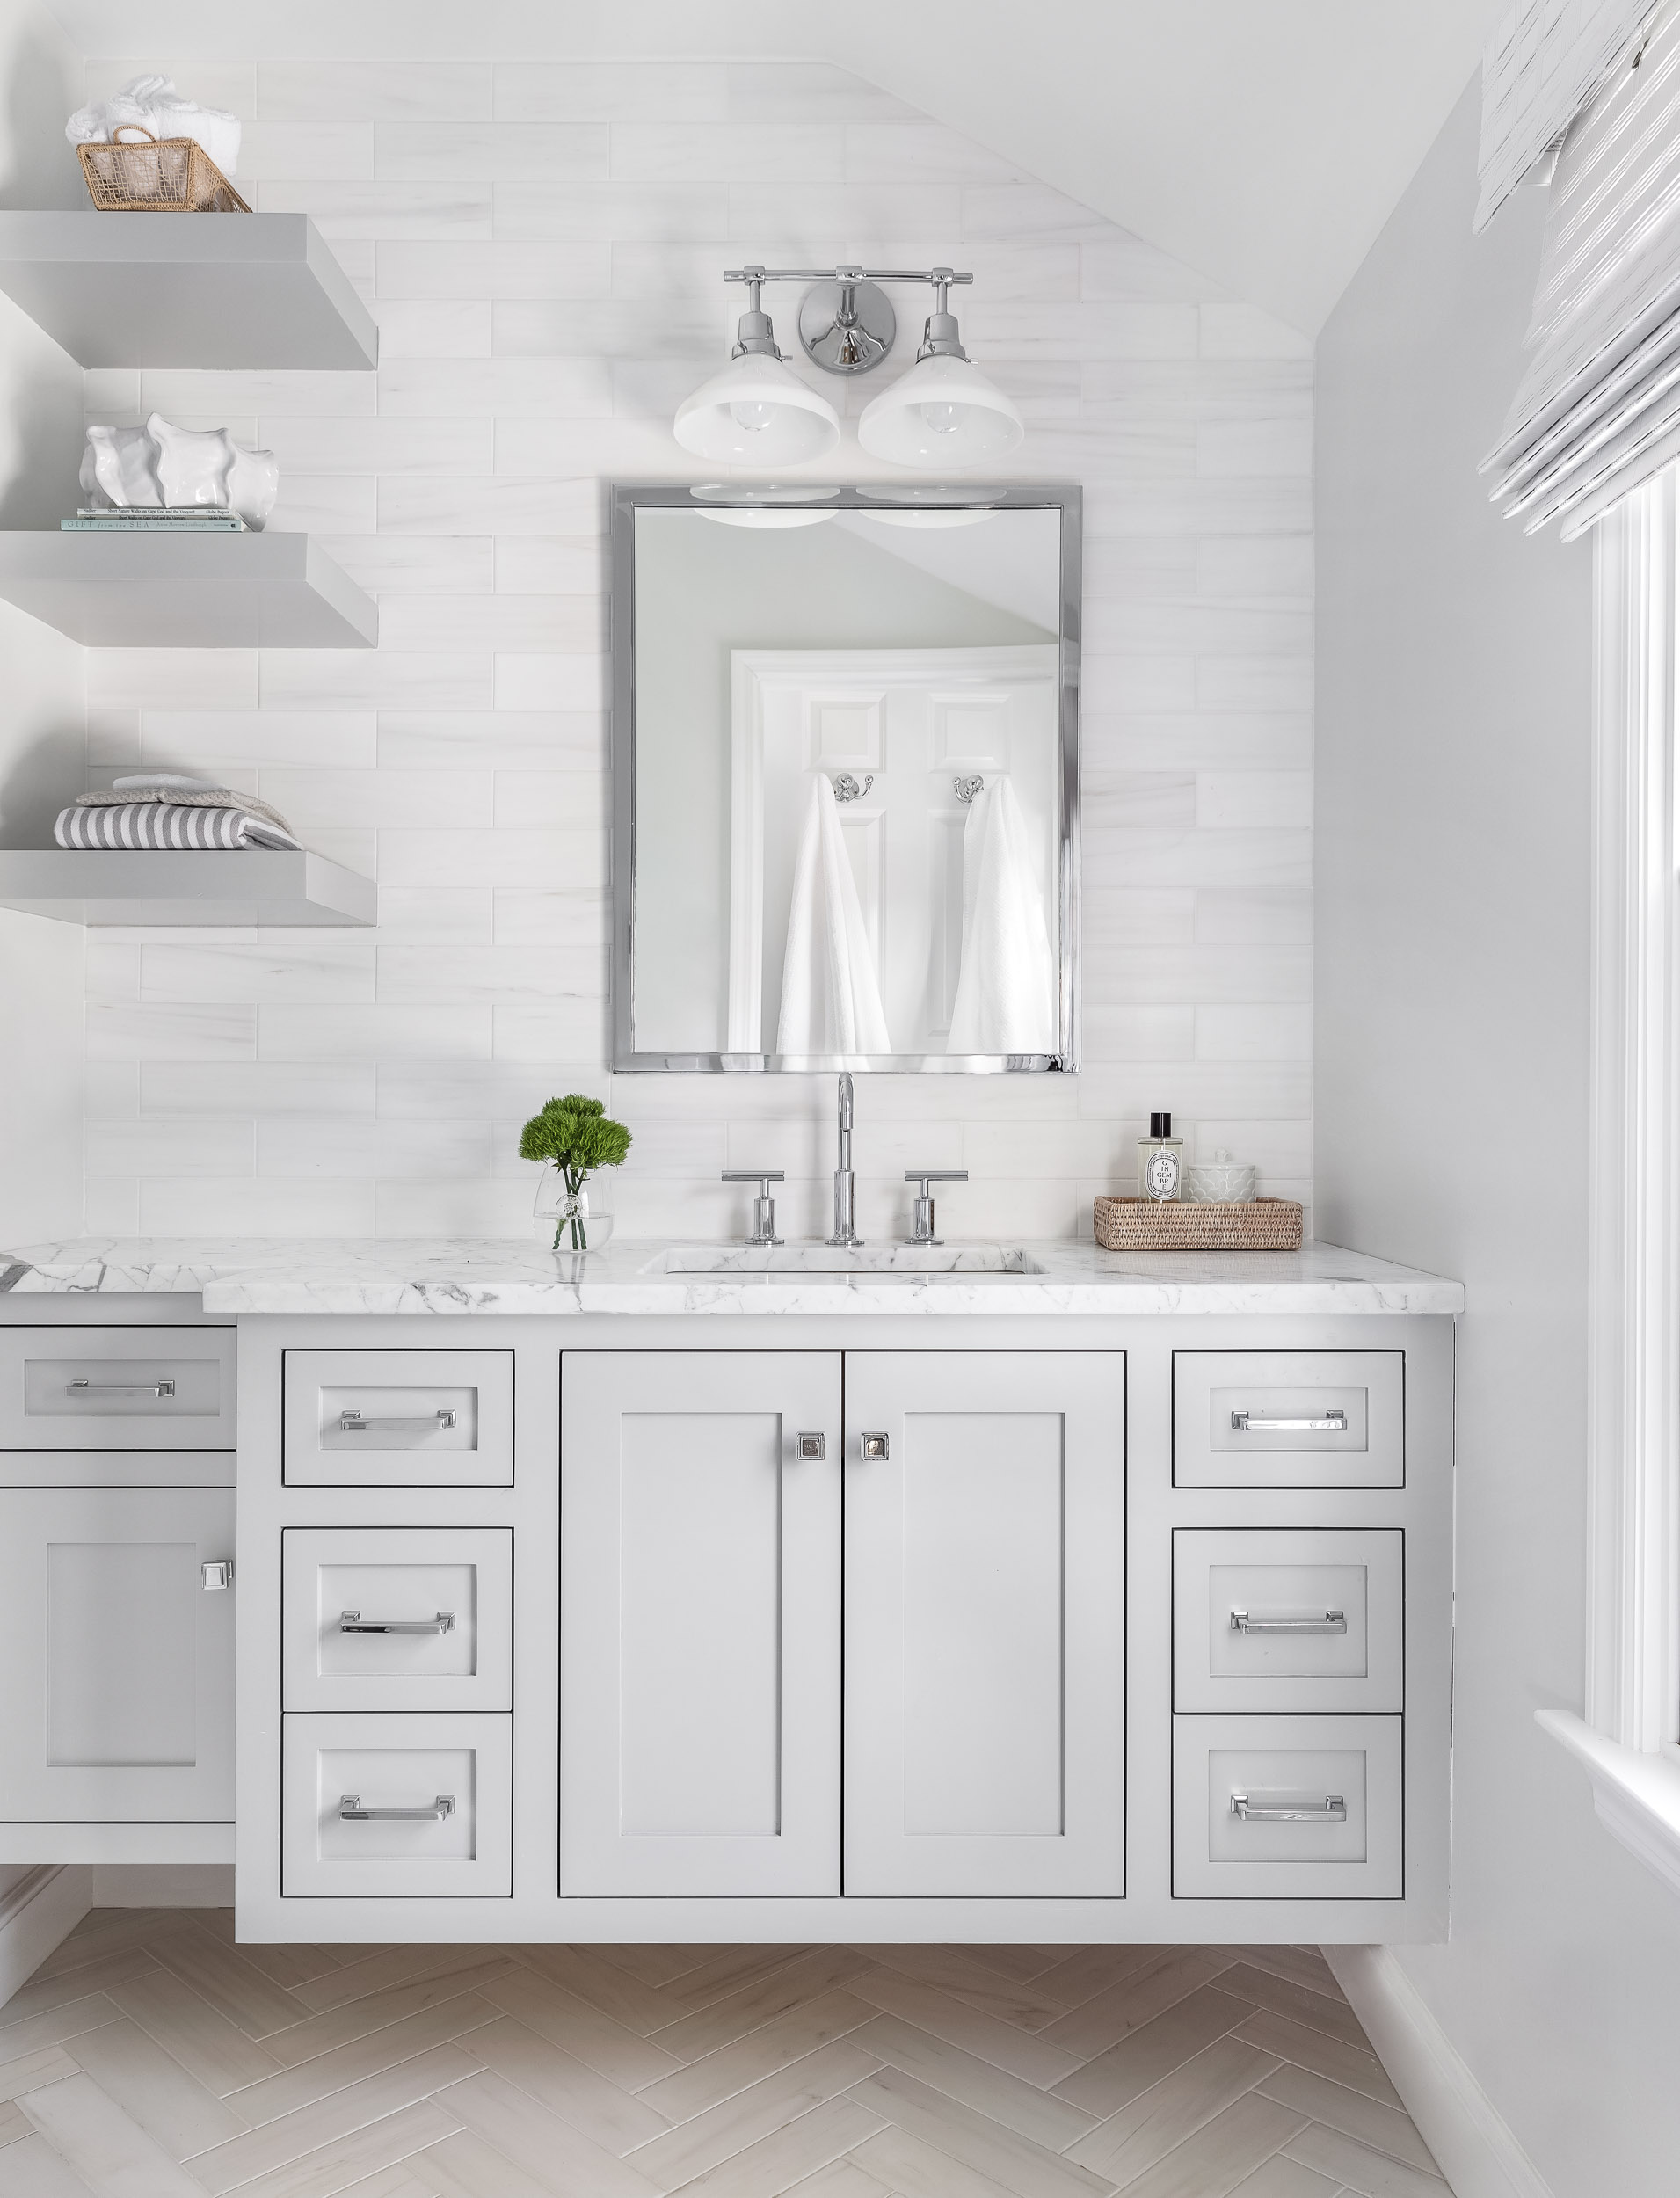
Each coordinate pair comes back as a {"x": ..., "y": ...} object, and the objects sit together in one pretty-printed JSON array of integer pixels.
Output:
[
  {"x": 1477, "y": 2152},
  {"x": 37, "y": 1912},
  {"x": 163, "y": 1884}
]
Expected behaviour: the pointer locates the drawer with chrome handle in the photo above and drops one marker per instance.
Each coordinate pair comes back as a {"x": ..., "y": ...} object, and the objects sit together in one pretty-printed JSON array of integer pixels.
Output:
[
  {"x": 116, "y": 1389},
  {"x": 395, "y": 1807},
  {"x": 1291, "y": 1619},
  {"x": 399, "y": 1418},
  {"x": 1289, "y": 1419},
  {"x": 1288, "y": 1807},
  {"x": 397, "y": 1423},
  {"x": 397, "y": 1618},
  {"x": 82, "y": 1386}
]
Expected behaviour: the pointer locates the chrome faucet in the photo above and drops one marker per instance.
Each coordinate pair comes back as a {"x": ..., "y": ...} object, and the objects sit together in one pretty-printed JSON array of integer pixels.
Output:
[{"x": 845, "y": 1181}]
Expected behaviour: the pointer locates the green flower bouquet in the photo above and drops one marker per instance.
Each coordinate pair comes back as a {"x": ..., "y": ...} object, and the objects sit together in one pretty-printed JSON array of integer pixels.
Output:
[{"x": 574, "y": 1137}]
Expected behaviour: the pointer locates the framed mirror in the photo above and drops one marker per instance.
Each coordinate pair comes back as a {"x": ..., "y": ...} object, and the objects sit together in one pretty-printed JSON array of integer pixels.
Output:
[{"x": 845, "y": 744}]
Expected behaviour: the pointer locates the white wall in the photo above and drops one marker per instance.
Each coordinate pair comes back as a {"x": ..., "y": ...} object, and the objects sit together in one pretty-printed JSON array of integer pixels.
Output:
[
  {"x": 1454, "y": 698},
  {"x": 41, "y": 679},
  {"x": 548, "y": 285}
]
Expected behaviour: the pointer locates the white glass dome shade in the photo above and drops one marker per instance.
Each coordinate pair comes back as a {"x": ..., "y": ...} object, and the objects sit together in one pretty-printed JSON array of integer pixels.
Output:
[
  {"x": 943, "y": 413},
  {"x": 757, "y": 412}
]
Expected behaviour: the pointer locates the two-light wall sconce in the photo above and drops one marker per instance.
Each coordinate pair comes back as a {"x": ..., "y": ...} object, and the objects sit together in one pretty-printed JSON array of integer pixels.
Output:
[{"x": 942, "y": 413}]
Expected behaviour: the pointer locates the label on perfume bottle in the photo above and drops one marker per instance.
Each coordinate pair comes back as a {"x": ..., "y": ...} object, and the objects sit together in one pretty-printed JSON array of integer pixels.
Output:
[{"x": 1161, "y": 1175}]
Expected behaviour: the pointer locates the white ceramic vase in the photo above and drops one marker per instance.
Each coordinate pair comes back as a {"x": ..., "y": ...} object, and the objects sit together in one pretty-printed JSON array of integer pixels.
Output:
[{"x": 132, "y": 468}]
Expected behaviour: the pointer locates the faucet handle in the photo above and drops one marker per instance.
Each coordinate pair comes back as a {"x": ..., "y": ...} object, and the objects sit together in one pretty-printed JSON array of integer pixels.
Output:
[
  {"x": 922, "y": 1221},
  {"x": 764, "y": 1206}
]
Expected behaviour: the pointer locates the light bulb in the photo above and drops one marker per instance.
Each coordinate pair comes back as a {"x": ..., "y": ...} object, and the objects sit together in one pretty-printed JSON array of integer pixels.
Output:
[
  {"x": 755, "y": 418},
  {"x": 942, "y": 419}
]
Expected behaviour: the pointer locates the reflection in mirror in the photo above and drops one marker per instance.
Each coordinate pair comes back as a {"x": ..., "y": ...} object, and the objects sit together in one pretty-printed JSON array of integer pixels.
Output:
[{"x": 849, "y": 781}]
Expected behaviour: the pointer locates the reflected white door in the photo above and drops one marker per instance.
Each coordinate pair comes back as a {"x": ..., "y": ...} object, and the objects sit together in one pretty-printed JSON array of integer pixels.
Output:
[
  {"x": 984, "y": 1624},
  {"x": 915, "y": 721},
  {"x": 699, "y": 1623}
]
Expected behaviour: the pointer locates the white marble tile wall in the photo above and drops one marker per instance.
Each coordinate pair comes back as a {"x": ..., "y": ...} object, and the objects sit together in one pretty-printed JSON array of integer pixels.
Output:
[{"x": 541, "y": 246}]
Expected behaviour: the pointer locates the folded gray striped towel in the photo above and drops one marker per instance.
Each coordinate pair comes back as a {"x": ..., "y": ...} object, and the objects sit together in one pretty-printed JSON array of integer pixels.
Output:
[{"x": 160, "y": 824}]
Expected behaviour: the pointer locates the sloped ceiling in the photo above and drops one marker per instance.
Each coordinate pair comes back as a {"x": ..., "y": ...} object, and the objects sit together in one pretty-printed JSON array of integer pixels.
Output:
[{"x": 1263, "y": 142}]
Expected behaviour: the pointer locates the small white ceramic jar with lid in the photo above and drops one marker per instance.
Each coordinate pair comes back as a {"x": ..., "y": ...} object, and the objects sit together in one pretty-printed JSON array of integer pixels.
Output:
[{"x": 1221, "y": 1182}]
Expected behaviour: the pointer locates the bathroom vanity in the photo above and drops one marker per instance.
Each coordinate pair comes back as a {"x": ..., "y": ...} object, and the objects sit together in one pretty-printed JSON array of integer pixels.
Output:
[{"x": 682, "y": 1593}]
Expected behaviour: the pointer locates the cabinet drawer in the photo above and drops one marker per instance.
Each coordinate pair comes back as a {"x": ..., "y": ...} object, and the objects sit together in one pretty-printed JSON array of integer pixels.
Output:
[
  {"x": 396, "y": 1806},
  {"x": 89, "y": 1388},
  {"x": 1301, "y": 1619},
  {"x": 1289, "y": 1419},
  {"x": 1286, "y": 1809},
  {"x": 399, "y": 1418},
  {"x": 397, "y": 1618}
]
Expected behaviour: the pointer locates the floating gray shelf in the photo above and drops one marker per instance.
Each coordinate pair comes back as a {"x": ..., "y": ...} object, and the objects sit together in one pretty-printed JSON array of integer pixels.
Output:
[
  {"x": 233, "y": 886},
  {"x": 178, "y": 591},
  {"x": 185, "y": 289}
]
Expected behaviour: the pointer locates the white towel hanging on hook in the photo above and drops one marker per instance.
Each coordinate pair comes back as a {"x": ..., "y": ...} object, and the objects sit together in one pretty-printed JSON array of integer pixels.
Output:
[
  {"x": 831, "y": 997},
  {"x": 1006, "y": 990}
]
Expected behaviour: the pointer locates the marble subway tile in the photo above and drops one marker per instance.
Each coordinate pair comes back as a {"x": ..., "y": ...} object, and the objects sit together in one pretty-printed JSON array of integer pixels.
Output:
[
  {"x": 565, "y": 800},
  {"x": 111, "y": 1090},
  {"x": 719, "y": 152},
  {"x": 918, "y": 151},
  {"x": 1254, "y": 1033},
  {"x": 433, "y": 328},
  {"x": 1249, "y": 800},
  {"x": 574, "y": 920},
  {"x": 428, "y": 916},
  {"x": 491, "y": 152},
  {"x": 501, "y": 623},
  {"x": 607, "y": 328},
  {"x": 508, "y": 740},
  {"x": 349, "y": 211},
  {"x": 1231, "y": 330},
  {"x": 172, "y": 679},
  {"x": 1255, "y": 1091},
  {"x": 308, "y": 798},
  {"x": 357, "y": 1148},
  {"x": 487, "y": 1090},
  {"x": 1124, "y": 915},
  {"x": 295, "y": 150},
  {"x": 220, "y": 84},
  {"x": 559, "y": 564},
  {"x": 1139, "y": 1034},
  {"x": 348, "y": 679},
  {"x": 1124, "y": 331},
  {"x": 586, "y": 213},
  {"x": 1255, "y": 915},
  {"x": 380, "y": 445},
  {"x": 810, "y": 214},
  {"x": 1207, "y": 739},
  {"x": 292, "y": 1205},
  {"x": 113, "y": 736},
  {"x": 498, "y": 505},
  {"x": 218, "y": 391},
  {"x": 391, "y": 89},
  {"x": 1201, "y": 507},
  {"x": 1025, "y": 208},
  {"x": 111, "y": 1207},
  {"x": 761, "y": 91},
  {"x": 497, "y": 973},
  {"x": 550, "y": 682},
  {"x": 325, "y": 503},
  {"x": 1172, "y": 975},
  {"x": 330, "y": 966},
  {"x": 1117, "y": 266},
  {"x": 1248, "y": 682},
  {"x": 611, "y": 91},
  {"x": 228, "y": 1089},
  {"x": 1242, "y": 449},
  {"x": 574, "y": 1027},
  {"x": 505, "y": 269},
  {"x": 179, "y": 1031},
  {"x": 186, "y": 1145},
  {"x": 531, "y": 388},
  {"x": 409, "y": 563},
  {"x": 467, "y": 857},
  {"x": 479, "y": 1206},
  {"x": 1282, "y": 566},
  {"x": 341, "y": 1035}
]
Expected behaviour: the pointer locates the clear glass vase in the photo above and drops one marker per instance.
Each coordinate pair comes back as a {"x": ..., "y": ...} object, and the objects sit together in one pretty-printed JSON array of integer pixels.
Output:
[{"x": 578, "y": 1220}]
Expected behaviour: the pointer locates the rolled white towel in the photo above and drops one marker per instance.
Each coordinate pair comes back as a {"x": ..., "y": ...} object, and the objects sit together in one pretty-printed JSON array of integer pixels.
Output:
[{"x": 152, "y": 103}]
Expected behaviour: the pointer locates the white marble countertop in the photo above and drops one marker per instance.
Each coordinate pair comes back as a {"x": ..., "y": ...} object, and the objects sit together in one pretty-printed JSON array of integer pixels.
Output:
[{"x": 483, "y": 1275}]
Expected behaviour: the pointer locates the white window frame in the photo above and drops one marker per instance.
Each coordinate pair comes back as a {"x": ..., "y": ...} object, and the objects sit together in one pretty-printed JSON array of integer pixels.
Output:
[{"x": 1629, "y": 1739}]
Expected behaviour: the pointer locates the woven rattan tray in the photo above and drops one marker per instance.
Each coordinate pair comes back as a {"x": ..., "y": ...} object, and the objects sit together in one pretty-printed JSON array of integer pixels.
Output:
[
  {"x": 170, "y": 175},
  {"x": 1142, "y": 1225}
]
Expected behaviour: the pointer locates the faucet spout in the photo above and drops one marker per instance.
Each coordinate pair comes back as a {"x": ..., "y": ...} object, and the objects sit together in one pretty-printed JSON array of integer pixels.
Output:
[{"x": 845, "y": 1180}]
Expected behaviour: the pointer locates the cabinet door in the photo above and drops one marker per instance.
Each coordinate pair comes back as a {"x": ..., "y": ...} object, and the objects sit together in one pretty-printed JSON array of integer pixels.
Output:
[
  {"x": 985, "y": 1623},
  {"x": 699, "y": 1622},
  {"x": 118, "y": 1700}
]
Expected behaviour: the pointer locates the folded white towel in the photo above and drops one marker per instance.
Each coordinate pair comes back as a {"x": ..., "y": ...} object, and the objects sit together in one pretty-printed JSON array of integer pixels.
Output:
[
  {"x": 183, "y": 793},
  {"x": 152, "y": 824},
  {"x": 830, "y": 1000},
  {"x": 1005, "y": 991},
  {"x": 152, "y": 103}
]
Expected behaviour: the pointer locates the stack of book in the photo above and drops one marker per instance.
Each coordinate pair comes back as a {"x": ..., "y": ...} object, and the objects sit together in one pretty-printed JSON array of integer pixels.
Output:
[{"x": 131, "y": 519}]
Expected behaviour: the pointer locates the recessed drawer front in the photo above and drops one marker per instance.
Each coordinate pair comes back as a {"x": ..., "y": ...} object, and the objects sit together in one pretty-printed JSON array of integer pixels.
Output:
[
  {"x": 396, "y": 1806},
  {"x": 1287, "y": 1619},
  {"x": 399, "y": 1418},
  {"x": 149, "y": 1388},
  {"x": 397, "y": 1618},
  {"x": 1287, "y": 1808},
  {"x": 1289, "y": 1419}
]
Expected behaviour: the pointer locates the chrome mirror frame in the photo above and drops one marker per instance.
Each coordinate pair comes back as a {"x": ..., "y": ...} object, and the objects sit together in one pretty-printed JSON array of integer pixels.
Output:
[{"x": 626, "y": 499}]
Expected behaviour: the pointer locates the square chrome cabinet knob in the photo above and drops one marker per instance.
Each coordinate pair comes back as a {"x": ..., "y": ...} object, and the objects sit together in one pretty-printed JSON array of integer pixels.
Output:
[
  {"x": 813, "y": 1447},
  {"x": 876, "y": 1447}
]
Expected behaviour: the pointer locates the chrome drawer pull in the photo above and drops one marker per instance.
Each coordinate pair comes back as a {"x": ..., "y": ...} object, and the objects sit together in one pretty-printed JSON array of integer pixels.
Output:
[
  {"x": 120, "y": 1389},
  {"x": 812, "y": 1446},
  {"x": 1332, "y": 1622},
  {"x": 353, "y": 1423},
  {"x": 1290, "y": 1808},
  {"x": 352, "y": 1812},
  {"x": 354, "y": 1622},
  {"x": 1334, "y": 1422},
  {"x": 875, "y": 1447}
]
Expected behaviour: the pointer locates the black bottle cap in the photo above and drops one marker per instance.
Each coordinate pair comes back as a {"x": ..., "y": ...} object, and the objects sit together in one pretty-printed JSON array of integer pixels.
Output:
[
  {"x": 1166, "y": 1125},
  {"x": 1155, "y": 1129}
]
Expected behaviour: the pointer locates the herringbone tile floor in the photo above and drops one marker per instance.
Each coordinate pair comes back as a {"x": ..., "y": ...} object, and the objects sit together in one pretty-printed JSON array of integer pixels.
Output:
[{"x": 150, "y": 2057}]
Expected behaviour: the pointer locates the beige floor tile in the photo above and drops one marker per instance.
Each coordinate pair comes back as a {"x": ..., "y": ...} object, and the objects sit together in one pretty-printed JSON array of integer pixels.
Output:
[
  {"x": 791, "y": 2155},
  {"x": 1324, "y": 2056},
  {"x": 1385, "y": 2129},
  {"x": 14, "y": 2123},
  {"x": 111, "y": 2153},
  {"x": 205, "y": 2043},
  {"x": 1021, "y": 1962},
  {"x": 152, "y": 2088},
  {"x": 841, "y": 2179},
  {"x": 382, "y": 2144},
  {"x": 464, "y": 2167},
  {"x": 655, "y": 1966},
  {"x": 1031, "y": 2112},
  {"x": 375, "y": 2010},
  {"x": 1372, "y": 2175},
  {"x": 288, "y": 2089},
  {"x": 1171, "y": 2110},
  {"x": 511, "y": 2120},
  {"x": 1301, "y": 1965},
  {"x": 615, "y": 2118},
  {"x": 1128, "y": 2070},
  {"x": 1106, "y": 2017},
  {"x": 391, "y": 1965},
  {"x": 619, "y": 2055},
  {"x": 602, "y": 1985},
  {"x": 43, "y": 1993},
  {"x": 721, "y": 2131},
  {"x": 911, "y": 2169},
  {"x": 307, "y": 2129},
  {"x": 1213, "y": 2162},
  {"x": 730, "y": 2018},
  {"x": 950, "y": 1970},
  {"x": 1084, "y": 1971},
  {"x": 1282, "y": 2177},
  {"x": 977, "y": 2140},
  {"x": 983, "y": 2035},
  {"x": 728, "y": 1969},
  {"x": 57, "y": 2024},
  {"x": 30, "y": 2070},
  {"x": 33, "y": 2170},
  {"x": 1334, "y": 2017},
  {"x": 227, "y": 1980},
  {"x": 104, "y": 1932},
  {"x": 399, "y": 2181},
  {"x": 789, "y": 2037}
]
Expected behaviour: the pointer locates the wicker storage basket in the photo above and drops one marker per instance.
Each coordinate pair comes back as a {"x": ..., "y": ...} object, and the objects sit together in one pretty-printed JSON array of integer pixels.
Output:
[
  {"x": 1141, "y": 1225},
  {"x": 170, "y": 175}
]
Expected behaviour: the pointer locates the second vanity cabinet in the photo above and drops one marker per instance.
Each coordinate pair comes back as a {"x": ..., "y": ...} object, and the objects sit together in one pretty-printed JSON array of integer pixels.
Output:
[{"x": 897, "y": 1576}]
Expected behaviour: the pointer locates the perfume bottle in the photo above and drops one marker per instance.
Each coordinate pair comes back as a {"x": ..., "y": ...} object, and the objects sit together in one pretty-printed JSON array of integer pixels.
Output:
[{"x": 1160, "y": 1162}]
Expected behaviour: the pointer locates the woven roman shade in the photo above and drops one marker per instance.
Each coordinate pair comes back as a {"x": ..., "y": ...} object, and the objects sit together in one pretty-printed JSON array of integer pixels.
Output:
[
  {"x": 1541, "y": 66},
  {"x": 1598, "y": 410}
]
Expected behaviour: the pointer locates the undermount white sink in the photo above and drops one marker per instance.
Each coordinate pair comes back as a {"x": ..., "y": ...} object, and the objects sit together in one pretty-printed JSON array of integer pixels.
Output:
[{"x": 885, "y": 1262}]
